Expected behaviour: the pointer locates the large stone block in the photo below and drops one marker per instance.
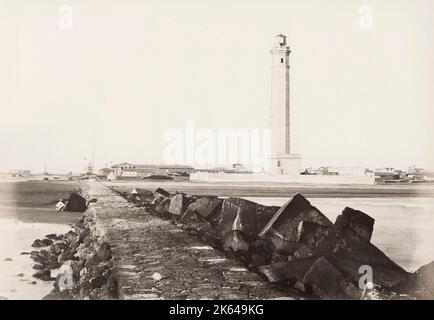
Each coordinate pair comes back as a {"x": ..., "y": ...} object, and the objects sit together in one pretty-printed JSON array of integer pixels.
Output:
[
  {"x": 162, "y": 192},
  {"x": 311, "y": 233},
  {"x": 360, "y": 222},
  {"x": 179, "y": 204},
  {"x": 143, "y": 195},
  {"x": 161, "y": 205},
  {"x": 289, "y": 272},
  {"x": 244, "y": 216},
  {"x": 209, "y": 235},
  {"x": 348, "y": 251},
  {"x": 326, "y": 281},
  {"x": 206, "y": 207},
  {"x": 296, "y": 222},
  {"x": 420, "y": 284},
  {"x": 76, "y": 203},
  {"x": 425, "y": 275}
]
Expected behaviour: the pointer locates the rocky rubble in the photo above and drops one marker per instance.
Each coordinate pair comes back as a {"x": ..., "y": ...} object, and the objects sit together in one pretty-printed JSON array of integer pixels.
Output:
[
  {"x": 295, "y": 245},
  {"x": 82, "y": 261}
]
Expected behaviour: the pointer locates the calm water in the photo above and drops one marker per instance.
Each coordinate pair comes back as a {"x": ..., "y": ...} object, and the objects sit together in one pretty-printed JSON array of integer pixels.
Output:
[{"x": 404, "y": 227}]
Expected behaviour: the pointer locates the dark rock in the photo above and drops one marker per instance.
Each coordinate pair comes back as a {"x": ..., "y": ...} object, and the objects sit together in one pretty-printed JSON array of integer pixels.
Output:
[
  {"x": 161, "y": 205},
  {"x": 8, "y": 259},
  {"x": 244, "y": 216},
  {"x": 303, "y": 251},
  {"x": 179, "y": 203},
  {"x": 276, "y": 257},
  {"x": 93, "y": 277},
  {"x": 57, "y": 247},
  {"x": 23, "y": 253},
  {"x": 426, "y": 275},
  {"x": 97, "y": 281},
  {"x": 37, "y": 243},
  {"x": 20, "y": 275},
  {"x": 40, "y": 256},
  {"x": 102, "y": 254},
  {"x": 44, "y": 275},
  {"x": 297, "y": 221},
  {"x": 348, "y": 251},
  {"x": 53, "y": 265},
  {"x": 420, "y": 284},
  {"x": 209, "y": 235},
  {"x": 162, "y": 192},
  {"x": 143, "y": 195},
  {"x": 70, "y": 236},
  {"x": 360, "y": 222},
  {"x": 67, "y": 255},
  {"x": 46, "y": 242},
  {"x": 76, "y": 203},
  {"x": 53, "y": 236},
  {"x": 325, "y": 281},
  {"x": 133, "y": 198},
  {"x": 287, "y": 272},
  {"x": 259, "y": 254},
  {"x": 310, "y": 233},
  {"x": 233, "y": 227},
  {"x": 192, "y": 218},
  {"x": 38, "y": 266},
  {"x": 205, "y": 207},
  {"x": 34, "y": 254}
]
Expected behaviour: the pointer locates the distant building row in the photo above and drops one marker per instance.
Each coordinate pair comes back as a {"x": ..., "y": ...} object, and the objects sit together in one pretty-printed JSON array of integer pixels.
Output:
[
  {"x": 129, "y": 170},
  {"x": 386, "y": 174}
]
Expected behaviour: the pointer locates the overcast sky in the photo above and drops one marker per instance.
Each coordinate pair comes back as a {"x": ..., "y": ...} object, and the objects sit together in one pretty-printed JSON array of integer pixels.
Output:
[{"x": 131, "y": 70}]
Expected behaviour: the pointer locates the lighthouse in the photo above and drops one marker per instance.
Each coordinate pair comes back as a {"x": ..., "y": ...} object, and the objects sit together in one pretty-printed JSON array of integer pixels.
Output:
[{"x": 283, "y": 162}]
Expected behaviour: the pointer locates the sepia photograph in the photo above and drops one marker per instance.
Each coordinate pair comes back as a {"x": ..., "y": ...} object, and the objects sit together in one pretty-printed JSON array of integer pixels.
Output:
[{"x": 222, "y": 151}]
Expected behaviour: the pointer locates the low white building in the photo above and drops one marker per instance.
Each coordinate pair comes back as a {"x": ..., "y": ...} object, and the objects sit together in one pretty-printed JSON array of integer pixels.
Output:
[{"x": 347, "y": 171}]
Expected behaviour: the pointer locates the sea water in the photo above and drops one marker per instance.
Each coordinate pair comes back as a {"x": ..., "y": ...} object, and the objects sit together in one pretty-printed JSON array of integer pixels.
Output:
[{"x": 403, "y": 229}]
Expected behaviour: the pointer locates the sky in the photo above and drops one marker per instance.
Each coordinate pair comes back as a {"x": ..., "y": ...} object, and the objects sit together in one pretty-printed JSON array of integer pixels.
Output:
[{"x": 126, "y": 72}]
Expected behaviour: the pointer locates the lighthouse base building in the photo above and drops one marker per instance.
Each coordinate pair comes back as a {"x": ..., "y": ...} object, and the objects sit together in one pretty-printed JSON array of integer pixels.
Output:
[{"x": 286, "y": 164}]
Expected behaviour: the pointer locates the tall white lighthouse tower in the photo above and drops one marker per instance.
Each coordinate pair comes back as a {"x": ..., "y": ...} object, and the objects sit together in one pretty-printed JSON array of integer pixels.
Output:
[{"x": 282, "y": 161}]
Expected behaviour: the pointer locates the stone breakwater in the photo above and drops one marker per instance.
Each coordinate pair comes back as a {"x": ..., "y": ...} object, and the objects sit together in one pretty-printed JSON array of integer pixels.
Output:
[
  {"x": 83, "y": 261},
  {"x": 295, "y": 246},
  {"x": 120, "y": 251},
  {"x": 160, "y": 245}
]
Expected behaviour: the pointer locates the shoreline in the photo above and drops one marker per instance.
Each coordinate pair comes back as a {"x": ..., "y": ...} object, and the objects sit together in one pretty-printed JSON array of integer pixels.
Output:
[
  {"x": 27, "y": 212},
  {"x": 279, "y": 190}
]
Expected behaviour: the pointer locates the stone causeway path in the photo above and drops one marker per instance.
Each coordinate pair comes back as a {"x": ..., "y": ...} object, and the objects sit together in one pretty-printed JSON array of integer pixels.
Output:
[{"x": 155, "y": 259}]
